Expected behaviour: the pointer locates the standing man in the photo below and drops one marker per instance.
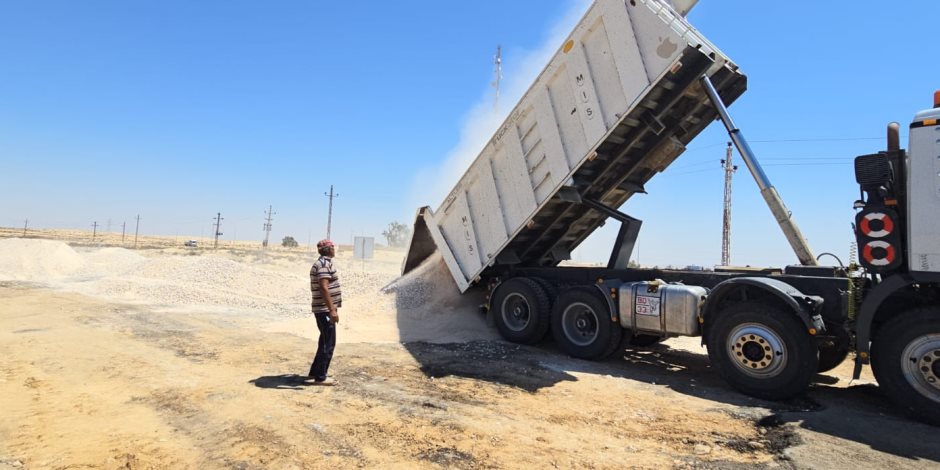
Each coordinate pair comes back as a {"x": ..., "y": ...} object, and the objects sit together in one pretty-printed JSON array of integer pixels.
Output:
[{"x": 327, "y": 299}]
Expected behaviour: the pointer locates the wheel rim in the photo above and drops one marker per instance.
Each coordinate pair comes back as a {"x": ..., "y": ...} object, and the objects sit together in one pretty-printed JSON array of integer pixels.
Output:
[
  {"x": 579, "y": 322},
  {"x": 757, "y": 350},
  {"x": 516, "y": 312},
  {"x": 920, "y": 364}
]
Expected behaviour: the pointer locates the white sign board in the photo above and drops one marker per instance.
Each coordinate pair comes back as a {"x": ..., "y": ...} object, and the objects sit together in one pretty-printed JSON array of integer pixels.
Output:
[{"x": 363, "y": 247}]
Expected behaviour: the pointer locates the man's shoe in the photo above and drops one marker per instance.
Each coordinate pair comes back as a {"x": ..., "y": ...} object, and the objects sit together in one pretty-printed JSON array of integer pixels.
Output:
[{"x": 327, "y": 382}]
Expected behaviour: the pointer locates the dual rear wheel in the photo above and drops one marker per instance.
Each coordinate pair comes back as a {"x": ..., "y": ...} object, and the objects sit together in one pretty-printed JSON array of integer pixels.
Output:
[{"x": 526, "y": 308}]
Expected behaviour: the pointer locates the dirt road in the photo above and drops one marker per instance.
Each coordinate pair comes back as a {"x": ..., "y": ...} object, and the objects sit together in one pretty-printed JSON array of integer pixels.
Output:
[{"x": 87, "y": 382}]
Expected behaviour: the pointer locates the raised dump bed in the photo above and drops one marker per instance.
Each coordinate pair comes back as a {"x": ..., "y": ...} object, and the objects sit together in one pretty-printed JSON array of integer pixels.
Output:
[{"x": 617, "y": 103}]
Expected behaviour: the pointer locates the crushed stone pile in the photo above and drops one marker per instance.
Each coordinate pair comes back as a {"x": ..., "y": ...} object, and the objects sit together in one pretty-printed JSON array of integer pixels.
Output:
[
  {"x": 36, "y": 260},
  {"x": 424, "y": 305}
]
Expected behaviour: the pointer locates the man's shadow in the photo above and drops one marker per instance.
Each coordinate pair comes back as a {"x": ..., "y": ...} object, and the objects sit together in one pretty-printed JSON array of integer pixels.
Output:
[{"x": 282, "y": 382}]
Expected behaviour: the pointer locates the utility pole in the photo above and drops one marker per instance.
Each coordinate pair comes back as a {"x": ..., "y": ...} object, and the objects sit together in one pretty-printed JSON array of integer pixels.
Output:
[
  {"x": 94, "y": 230},
  {"x": 25, "y": 226},
  {"x": 726, "y": 223},
  {"x": 136, "y": 230},
  {"x": 498, "y": 63},
  {"x": 218, "y": 225},
  {"x": 329, "y": 217},
  {"x": 267, "y": 227},
  {"x": 123, "y": 231}
]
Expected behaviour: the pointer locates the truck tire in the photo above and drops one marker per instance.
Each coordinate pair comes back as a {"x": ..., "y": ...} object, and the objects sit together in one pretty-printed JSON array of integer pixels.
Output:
[
  {"x": 581, "y": 324},
  {"x": 762, "y": 350},
  {"x": 521, "y": 310},
  {"x": 906, "y": 361},
  {"x": 830, "y": 358},
  {"x": 551, "y": 290}
]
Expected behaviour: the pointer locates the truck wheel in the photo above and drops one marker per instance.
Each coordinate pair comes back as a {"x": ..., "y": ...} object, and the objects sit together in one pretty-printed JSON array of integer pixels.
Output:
[
  {"x": 522, "y": 310},
  {"x": 830, "y": 358},
  {"x": 906, "y": 361},
  {"x": 581, "y": 324},
  {"x": 550, "y": 289},
  {"x": 762, "y": 350}
]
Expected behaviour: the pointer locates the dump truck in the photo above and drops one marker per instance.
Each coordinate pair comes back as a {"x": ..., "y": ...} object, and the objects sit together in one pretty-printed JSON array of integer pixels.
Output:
[{"x": 618, "y": 102}]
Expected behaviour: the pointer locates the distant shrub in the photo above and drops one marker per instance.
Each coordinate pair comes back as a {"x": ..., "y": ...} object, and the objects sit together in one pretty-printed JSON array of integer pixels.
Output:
[
  {"x": 397, "y": 234},
  {"x": 289, "y": 242}
]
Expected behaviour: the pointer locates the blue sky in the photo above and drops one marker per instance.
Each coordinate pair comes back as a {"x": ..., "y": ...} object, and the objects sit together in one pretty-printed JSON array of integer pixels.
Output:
[{"x": 177, "y": 110}]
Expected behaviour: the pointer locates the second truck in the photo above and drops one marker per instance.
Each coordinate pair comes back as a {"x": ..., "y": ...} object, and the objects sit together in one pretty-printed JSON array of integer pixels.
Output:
[{"x": 630, "y": 87}]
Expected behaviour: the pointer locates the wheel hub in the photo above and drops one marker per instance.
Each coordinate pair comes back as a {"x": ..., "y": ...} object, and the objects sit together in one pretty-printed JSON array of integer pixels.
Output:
[
  {"x": 515, "y": 311},
  {"x": 920, "y": 364},
  {"x": 757, "y": 350},
  {"x": 580, "y": 324}
]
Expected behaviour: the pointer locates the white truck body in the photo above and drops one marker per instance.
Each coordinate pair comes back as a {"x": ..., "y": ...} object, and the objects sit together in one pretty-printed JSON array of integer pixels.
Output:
[
  {"x": 600, "y": 80},
  {"x": 924, "y": 192}
]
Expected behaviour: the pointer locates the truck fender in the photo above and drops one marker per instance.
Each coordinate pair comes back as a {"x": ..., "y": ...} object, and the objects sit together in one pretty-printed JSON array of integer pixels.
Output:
[
  {"x": 490, "y": 290},
  {"x": 805, "y": 307},
  {"x": 870, "y": 306},
  {"x": 606, "y": 289}
]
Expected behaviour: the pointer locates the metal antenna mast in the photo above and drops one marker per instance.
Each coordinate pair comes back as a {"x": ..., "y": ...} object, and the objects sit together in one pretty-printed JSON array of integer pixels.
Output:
[
  {"x": 94, "y": 230},
  {"x": 498, "y": 62},
  {"x": 726, "y": 224},
  {"x": 329, "y": 217},
  {"x": 267, "y": 227},
  {"x": 25, "y": 226},
  {"x": 218, "y": 224}
]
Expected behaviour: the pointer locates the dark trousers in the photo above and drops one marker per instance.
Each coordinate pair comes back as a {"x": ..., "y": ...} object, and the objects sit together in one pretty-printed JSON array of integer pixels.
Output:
[{"x": 325, "y": 346}]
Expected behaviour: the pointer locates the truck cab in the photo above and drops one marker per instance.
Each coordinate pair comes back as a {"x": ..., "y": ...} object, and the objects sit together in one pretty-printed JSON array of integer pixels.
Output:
[{"x": 897, "y": 319}]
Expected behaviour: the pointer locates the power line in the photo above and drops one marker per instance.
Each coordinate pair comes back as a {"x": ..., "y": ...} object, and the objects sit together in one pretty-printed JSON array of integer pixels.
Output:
[
  {"x": 94, "y": 230},
  {"x": 766, "y": 165},
  {"x": 809, "y": 164},
  {"x": 780, "y": 158},
  {"x": 123, "y": 231},
  {"x": 695, "y": 171},
  {"x": 25, "y": 226},
  {"x": 824, "y": 139},
  {"x": 820, "y": 139}
]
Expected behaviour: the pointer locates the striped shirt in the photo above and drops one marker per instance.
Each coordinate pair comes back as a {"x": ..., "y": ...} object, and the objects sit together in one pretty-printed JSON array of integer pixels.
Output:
[{"x": 323, "y": 269}]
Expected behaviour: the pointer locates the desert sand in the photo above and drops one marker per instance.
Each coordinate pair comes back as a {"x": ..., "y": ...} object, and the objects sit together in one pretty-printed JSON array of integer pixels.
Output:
[{"x": 171, "y": 357}]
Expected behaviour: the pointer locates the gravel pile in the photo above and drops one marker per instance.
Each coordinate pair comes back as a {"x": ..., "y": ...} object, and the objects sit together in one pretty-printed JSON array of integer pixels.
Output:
[
  {"x": 425, "y": 305},
  {"x": 37, "y": 260},
  {"x": 206, "y": 281},
  {"x": 120, "y": 274}
]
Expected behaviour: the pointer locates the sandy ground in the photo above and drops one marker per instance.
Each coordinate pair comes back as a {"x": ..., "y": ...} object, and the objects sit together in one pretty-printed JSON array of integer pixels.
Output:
[{"x": 168, "y": 357}]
